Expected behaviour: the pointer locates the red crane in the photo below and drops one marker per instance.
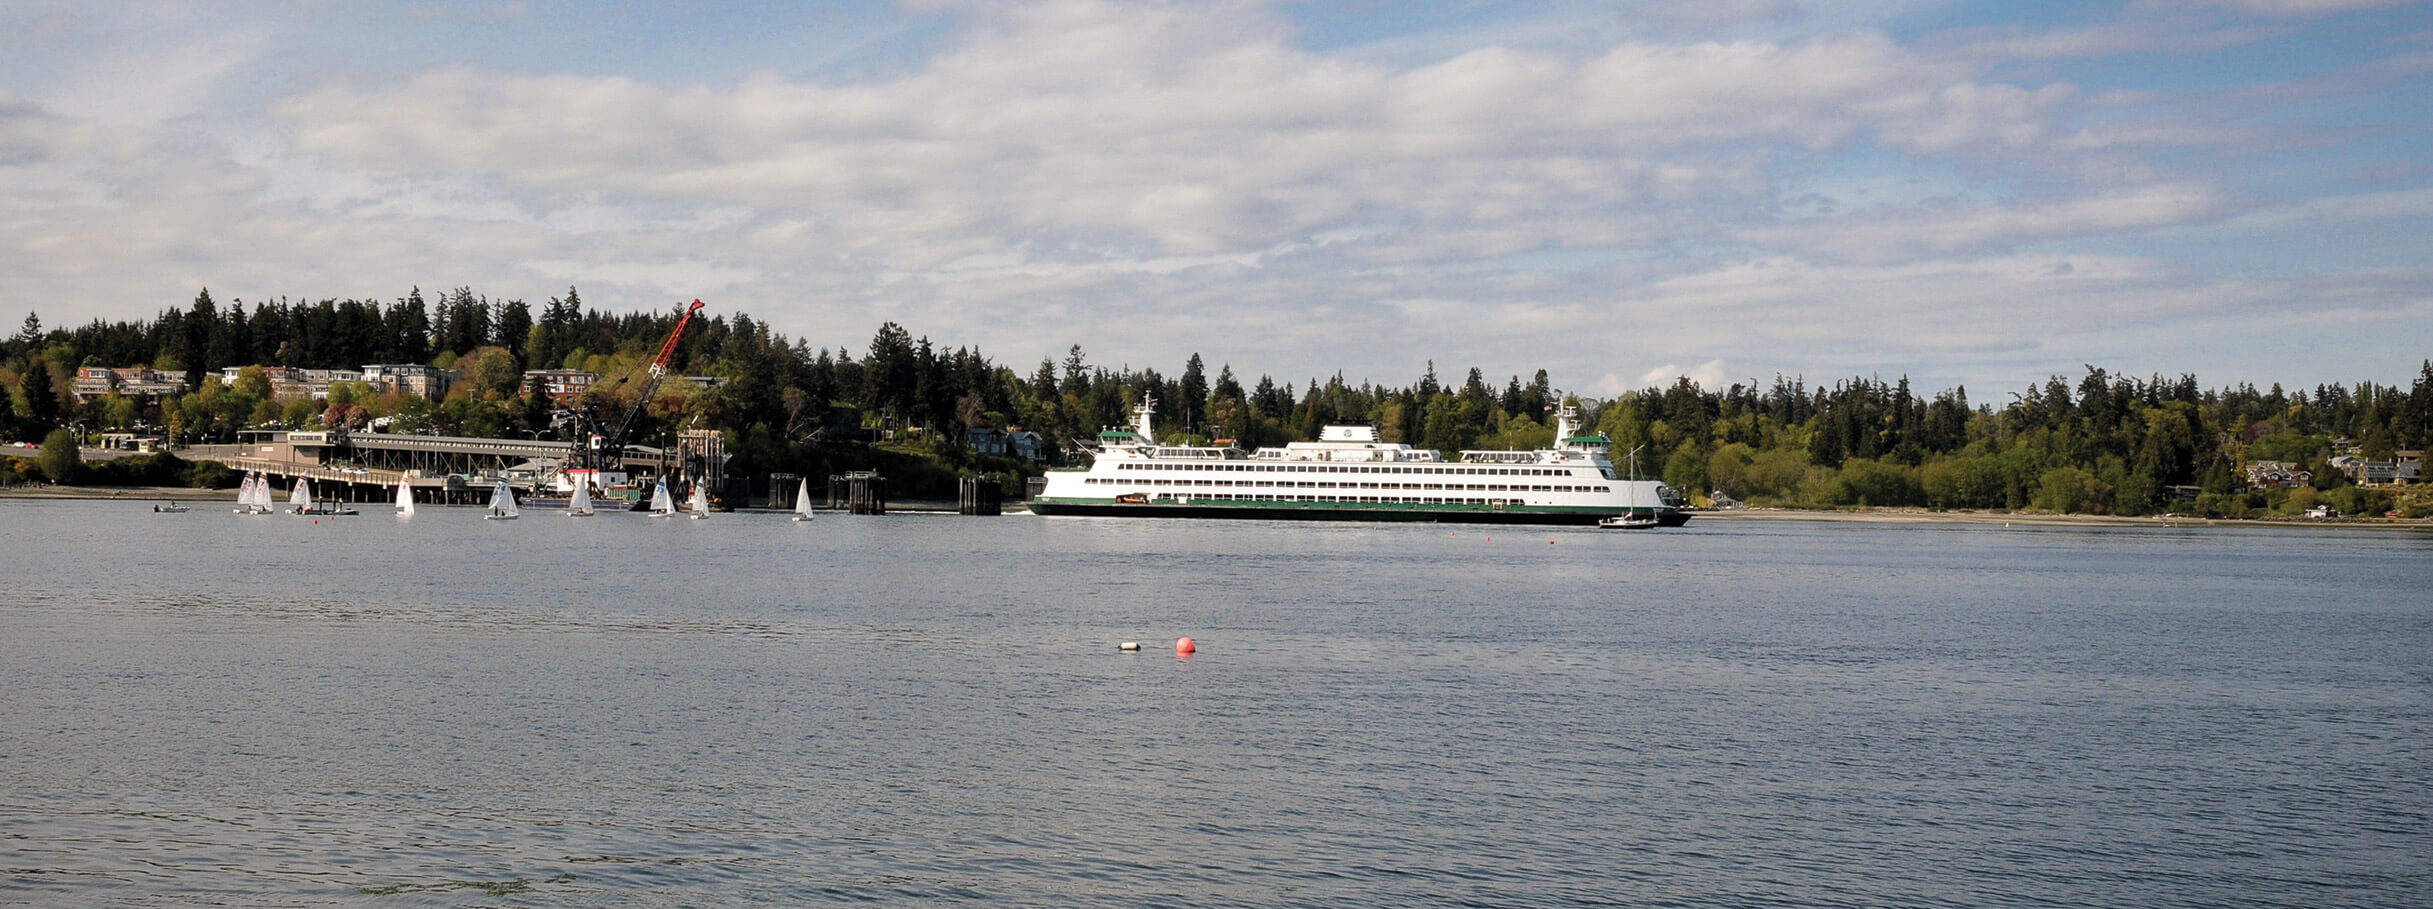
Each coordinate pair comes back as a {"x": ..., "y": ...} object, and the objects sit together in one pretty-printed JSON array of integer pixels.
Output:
[{"x": 609, "y": 447}]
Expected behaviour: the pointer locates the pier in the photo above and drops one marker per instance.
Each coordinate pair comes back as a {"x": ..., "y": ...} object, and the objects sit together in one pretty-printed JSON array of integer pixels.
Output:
[{"x": 365, "y": 467}]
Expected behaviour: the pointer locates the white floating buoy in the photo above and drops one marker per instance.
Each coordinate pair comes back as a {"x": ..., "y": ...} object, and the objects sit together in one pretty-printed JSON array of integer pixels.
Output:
[{"x": 1128, "y": 645}]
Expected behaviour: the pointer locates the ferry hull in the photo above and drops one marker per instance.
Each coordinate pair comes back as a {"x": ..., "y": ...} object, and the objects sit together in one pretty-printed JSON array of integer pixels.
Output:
[{"x": 1330, "y": 511}]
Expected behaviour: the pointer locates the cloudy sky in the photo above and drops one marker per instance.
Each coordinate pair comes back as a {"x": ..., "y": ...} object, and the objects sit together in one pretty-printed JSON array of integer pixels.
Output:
[{"x": 1619, "y": 193}]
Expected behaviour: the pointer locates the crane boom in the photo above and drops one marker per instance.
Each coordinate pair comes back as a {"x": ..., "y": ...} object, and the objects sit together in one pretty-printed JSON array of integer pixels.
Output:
[
  {"x": 667, "y": 351},
  {"x": 611, "y": 445}
]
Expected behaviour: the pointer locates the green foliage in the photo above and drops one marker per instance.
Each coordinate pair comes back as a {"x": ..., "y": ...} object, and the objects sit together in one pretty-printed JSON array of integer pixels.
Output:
[
  {"x": 1686, "y": 470},
  {"x": 2299, "y": 500},
  {"x": 2288, "y": 445},
  {"x": 2071, "y": 490},
  {"x": 2095, "y": 443},
  {"x": 209, "y": 475},
  {"x": 2357, "y": 500},
  {"x": 156, "y": 469},
  {"x": 60, "y": 461},
  {"x": 1864, "y": 481}
]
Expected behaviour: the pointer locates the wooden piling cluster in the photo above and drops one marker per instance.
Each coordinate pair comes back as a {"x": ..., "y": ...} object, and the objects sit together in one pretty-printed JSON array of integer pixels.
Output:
[
  {"x": 859, "y": 492},
  {"x": 982, "y": 495}
]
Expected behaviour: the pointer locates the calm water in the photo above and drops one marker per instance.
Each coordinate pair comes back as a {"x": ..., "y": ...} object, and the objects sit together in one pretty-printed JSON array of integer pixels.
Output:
[{"x": 206, "y": 709}]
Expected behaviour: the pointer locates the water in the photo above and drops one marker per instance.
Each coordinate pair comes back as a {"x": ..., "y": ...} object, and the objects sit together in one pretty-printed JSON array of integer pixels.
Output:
[{"x": 208, "y": 709}]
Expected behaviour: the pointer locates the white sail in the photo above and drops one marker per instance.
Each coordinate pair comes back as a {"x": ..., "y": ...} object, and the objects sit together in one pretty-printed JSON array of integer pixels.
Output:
[
  {"x": 302, "y": 497},
  {"x": 405, "y": 497},
  {"x": 502, "y": 502},
  {"x": 661, "y": 504},
  {"x": 699, "y": 502},
  {"x": 581, "y": 506},
  {"x": 802, "y": 502},
  {"x": 245, "y": 494}
]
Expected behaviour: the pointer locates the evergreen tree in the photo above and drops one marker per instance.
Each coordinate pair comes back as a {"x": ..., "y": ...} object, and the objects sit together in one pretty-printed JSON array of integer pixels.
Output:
[
  {"x": 42, "y": 409},
  {"x": 201, "y": 323},
  {"x": 1193, "y": 393},
  {"x": 29, "y": 336},
  {"x": 511, "y": 325}
]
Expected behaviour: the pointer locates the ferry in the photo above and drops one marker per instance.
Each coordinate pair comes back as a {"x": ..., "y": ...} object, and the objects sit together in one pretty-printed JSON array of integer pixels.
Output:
[{"x": 1351, "y": 474}]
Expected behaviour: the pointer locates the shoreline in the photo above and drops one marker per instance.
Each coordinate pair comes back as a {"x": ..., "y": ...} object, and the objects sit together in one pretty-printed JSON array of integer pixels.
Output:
[
  {"x": 1855, "y": 516},
  {"x": 129, "y": 493},
  {"x": 1926, "y": 516}
]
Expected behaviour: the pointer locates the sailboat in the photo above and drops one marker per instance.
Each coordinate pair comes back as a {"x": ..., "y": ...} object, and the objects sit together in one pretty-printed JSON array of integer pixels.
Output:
[
  {"x": 261, "y": 494},
  {"x": 1633, "y": 517},
  {"x": 699, "y": 502},
  {"x": 300, "y": 500},
  {"x": 581, "y": 506},
  {"x": 245, "y": 495},
  {"x": 405, "y": 497},
  {"x": 802, "y": 502},
  {"x": 662, "y": 505},
  {"x": 502, "y": 502}
]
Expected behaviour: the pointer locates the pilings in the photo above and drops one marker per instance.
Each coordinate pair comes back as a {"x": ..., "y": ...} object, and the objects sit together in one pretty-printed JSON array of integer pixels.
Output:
[
  {"x": 982, "y": 495},
  {"x": 859, "y": 492}
]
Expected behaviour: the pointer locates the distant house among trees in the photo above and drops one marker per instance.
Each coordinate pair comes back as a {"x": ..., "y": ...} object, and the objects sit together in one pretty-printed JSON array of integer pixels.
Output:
[
  {"x": 289, "y": 384},
  {"x": 411, "y": 378},
  {"x": 142, "y": 383},
  {"x": 2404, "y": 468},
  {"x": 2284, "y": 474},
  {"x": 999, "y": 443},
  {"x": 561, "y": 385}
]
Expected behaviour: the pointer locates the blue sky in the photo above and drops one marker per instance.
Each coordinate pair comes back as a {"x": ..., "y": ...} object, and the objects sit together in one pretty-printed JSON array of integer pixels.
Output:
[{"x": 1619, "y": 193}]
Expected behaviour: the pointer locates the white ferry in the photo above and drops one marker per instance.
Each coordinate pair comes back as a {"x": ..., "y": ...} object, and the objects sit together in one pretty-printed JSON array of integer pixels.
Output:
[{"x": 1350, "y": 474}]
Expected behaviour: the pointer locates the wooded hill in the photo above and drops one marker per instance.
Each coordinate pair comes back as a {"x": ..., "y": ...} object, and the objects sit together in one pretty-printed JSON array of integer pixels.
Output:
[{"x": 2096, "y": 443}]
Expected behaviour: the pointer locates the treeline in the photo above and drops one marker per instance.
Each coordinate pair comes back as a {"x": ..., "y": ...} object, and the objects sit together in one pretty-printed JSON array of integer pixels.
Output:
[{"x": 2102, "y": 444}]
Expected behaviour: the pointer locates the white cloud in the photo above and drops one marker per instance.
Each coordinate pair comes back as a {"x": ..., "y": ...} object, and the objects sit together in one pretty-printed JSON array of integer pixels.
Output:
[
  {"x": 1220, "y": 136},
  {"x": 1709, "y": 375},
  {"x": 140, "y": 83},
  {"x": 1150, "y": 180},
  {"x": 1904, "y": 234},
  {"x": 2305, "y": 7}
]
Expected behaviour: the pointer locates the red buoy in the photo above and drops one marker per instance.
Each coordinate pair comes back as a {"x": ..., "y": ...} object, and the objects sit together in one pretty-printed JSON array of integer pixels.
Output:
[{"x": 1184, "y": 645}]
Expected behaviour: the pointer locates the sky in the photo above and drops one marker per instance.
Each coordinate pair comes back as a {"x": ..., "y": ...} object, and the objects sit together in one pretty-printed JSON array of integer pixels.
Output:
[{"x": 1964, "y": 193}]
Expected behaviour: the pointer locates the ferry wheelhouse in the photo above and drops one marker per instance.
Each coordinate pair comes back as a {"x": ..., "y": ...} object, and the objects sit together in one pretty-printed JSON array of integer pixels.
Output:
[{"x": 1349, "y": 473}]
